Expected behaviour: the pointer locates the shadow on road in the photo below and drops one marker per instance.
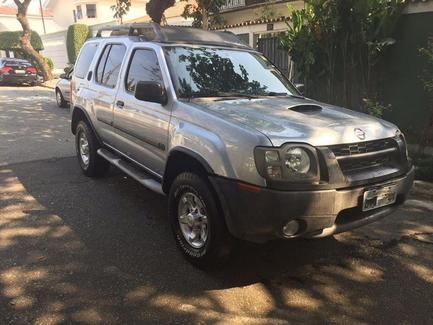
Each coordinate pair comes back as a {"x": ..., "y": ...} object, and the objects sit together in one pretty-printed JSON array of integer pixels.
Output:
[{"x": 73, "y": 249}]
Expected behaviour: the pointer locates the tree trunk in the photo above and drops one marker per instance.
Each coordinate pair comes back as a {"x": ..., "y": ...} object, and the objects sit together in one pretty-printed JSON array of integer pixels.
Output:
[
  {"x": 26, "y": 38},
  {"x": 205, "y": 18}
]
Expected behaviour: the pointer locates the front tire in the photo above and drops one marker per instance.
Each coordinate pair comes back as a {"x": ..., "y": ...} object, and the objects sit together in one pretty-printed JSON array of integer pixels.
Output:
[
  {"x": 87, "y": 146},
  {"x": 61, "y": 102},
  {"x": 197, "y": 222}
]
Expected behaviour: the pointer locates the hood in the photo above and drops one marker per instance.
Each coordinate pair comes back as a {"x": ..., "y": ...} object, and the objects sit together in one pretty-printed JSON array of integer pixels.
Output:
[{"x": 301, "y": 120}]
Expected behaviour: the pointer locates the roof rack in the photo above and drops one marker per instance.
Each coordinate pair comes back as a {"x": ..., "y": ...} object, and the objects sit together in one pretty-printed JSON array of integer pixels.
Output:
[
  {"x": 132, "y": 30},
  {"x": 174, "y": 34}
]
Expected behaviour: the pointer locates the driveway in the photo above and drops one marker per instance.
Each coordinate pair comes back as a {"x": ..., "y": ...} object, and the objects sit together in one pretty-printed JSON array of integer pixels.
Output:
[{"x": 78, "y": 250}]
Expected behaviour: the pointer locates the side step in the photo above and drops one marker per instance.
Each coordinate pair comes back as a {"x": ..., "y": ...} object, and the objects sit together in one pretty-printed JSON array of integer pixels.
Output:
[{"x": 132, "y": 171}]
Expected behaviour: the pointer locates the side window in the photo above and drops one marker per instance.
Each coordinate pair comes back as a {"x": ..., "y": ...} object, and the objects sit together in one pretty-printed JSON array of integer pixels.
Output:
[
  {"x": 109, "y": 65},
  {"x": 101, "y": 64},
  {"x": 85, "y": 60},
  {"x": 144, "y": 66}
]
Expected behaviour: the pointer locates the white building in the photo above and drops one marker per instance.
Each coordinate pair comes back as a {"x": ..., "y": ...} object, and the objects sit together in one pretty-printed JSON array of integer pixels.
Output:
[
  {"x": 9, "y": 22},
  {"x": 90, "y": 12}
]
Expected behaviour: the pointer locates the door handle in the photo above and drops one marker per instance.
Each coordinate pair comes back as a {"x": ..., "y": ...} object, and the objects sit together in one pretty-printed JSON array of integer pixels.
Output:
[{"x": 120, "y": 104}]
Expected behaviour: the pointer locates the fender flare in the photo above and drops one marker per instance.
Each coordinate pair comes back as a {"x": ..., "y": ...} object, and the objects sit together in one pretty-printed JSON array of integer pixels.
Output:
[{"x": 88, "y": 120}]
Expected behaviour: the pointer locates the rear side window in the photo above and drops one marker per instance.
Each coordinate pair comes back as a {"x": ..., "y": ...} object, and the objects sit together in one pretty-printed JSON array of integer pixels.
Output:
[
  {"x": 109, "y": 65},
  {"x": 144, "y": 66},
  {"x": 85, "y": 60}
]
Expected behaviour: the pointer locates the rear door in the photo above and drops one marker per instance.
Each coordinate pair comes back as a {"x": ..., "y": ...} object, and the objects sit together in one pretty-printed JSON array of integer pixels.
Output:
[
  {"x": 105, "y": 81},
  {"x": 142, "y": 127}
]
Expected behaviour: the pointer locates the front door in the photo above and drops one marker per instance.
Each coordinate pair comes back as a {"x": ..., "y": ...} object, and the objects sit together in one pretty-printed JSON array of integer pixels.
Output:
[{"x": 142, "y": 127}]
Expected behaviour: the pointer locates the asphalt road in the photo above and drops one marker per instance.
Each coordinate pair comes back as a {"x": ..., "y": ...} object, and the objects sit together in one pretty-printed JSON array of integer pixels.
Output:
[{"x": 77, "y": 250}]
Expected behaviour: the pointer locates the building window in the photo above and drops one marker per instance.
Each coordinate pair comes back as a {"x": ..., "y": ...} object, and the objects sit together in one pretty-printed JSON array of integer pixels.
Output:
[
  {"x": 91, "y": 11},
  {"x": 79, "y": 12},
  {"x": 74, "y": 12}
]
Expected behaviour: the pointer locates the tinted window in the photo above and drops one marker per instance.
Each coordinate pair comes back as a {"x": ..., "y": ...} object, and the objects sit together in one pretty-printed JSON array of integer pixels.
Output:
[
  {"x": 111, "y": 66},
  {"x": 144, "y": 66},
  {"x": 85, "y": 60}
]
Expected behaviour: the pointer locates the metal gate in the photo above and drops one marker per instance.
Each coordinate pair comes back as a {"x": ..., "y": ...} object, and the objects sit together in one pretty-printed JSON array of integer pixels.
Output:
[{"x": 271, "y": 48}]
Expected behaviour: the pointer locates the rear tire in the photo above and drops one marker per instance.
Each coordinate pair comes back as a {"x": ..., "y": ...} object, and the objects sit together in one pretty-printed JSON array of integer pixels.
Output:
[
  {"x": 61, "y": 102},
  {"x": 197, "y": 221},
  {"x": 87, "y": 145}
]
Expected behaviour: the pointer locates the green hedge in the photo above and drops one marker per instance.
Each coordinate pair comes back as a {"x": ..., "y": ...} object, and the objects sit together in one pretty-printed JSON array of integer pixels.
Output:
[
  {"x": 77, "y": 35},
  {"x": 11, "y": 41}
]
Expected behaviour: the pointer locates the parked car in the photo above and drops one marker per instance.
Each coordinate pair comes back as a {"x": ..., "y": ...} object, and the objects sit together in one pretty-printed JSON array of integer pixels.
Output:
[
  {"x": 63, "y": 89},
  {"x": 17, "y": 72},
  {"x": 211, "y": 123}
]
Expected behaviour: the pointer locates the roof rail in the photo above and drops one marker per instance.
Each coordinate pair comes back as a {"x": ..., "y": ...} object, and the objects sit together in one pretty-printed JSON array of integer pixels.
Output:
[{"x": 150, "y": 31}]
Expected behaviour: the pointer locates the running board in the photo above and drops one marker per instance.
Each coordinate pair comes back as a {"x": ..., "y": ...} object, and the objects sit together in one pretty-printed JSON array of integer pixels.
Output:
[{"x": 132, "y": 171}]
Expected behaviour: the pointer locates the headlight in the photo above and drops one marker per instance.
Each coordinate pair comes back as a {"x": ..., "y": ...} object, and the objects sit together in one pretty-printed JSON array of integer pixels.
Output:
[
  {"x": 291, "y": 162},
  {"x": 297, "y": 160}
]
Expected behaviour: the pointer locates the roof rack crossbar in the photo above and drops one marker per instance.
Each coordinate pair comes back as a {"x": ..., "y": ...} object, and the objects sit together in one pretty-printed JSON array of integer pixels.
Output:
[{"x": 135, "y": 29}]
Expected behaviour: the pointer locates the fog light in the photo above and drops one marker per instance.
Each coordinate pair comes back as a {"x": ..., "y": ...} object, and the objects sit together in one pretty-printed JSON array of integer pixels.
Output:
[{"x": 291, "y": 228}]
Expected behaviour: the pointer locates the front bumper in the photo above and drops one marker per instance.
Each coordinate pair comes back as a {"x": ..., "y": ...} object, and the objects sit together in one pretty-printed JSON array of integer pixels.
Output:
[{"x": 259, "y": 215}]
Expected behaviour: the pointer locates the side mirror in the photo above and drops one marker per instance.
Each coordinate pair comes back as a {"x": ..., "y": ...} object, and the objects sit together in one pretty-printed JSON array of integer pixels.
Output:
[
  {"x": 63, "y": 76},
  {"x": 301, "y": 88},
  {"x": 151, "y": 91}
]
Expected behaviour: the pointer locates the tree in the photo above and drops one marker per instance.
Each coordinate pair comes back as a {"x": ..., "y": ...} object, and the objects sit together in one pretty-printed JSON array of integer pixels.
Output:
[
  {"x": 337, "y": 46},
  {"x": 205, "y": 13},
  {"x": 121, "y": 9},
  {"x": 25, "y": 39},
  {"x": 426, "y": 78},
  {"x": 155, "y": 9}
]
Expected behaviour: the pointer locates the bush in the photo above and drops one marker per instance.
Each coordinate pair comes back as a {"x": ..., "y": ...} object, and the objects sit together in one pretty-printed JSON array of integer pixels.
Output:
[
  {"x": 77, "y": 35},
  {"x": 11, "y": 41}
]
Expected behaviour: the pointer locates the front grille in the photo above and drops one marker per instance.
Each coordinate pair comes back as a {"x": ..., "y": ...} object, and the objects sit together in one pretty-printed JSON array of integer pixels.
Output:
[
  {"x": 365, "y": 155},
  {"x": 362, "y": 147}
]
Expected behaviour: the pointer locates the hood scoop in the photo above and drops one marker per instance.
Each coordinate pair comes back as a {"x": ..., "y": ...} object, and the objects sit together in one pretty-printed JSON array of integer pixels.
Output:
[{"x": 306, "y": 109}]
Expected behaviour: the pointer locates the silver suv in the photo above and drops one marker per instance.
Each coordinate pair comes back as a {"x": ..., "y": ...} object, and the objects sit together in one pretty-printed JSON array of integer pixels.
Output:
[{"x": 211, "y": 123}]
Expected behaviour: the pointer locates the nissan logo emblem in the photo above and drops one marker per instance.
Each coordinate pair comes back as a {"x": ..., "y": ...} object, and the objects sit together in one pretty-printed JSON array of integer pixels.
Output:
[{"x": 360, "y": 134}]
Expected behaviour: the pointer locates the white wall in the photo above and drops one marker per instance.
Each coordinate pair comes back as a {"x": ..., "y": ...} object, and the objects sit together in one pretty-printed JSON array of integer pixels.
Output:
[
  {"x": 63, "y": 11},
  {"x": 418, "y": 7},
  {"x": 10, "y": 23}
]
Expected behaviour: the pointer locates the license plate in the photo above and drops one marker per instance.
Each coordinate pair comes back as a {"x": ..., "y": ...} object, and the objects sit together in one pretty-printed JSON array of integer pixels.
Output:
[
  {"x": 20, "y": 71},
  {"x": 379, "y": 197}
]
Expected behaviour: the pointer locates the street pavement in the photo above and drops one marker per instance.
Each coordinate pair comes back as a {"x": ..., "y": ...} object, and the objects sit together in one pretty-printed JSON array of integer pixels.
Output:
[{"x": 74, "y": 250}]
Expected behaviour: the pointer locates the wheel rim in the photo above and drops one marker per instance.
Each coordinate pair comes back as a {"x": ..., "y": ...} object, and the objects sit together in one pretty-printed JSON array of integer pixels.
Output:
[
  {"x": 83, "y": 146},
  {"x": 59, "y": 98},
  {"x": 193, "y": 220}
]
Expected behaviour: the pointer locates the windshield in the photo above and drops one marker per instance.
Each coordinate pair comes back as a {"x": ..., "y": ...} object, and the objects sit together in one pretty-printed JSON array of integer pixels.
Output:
[{"x": 213, "y": 72}]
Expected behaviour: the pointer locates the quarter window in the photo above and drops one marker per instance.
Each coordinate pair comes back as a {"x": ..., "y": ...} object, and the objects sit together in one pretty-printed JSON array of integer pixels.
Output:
[
  {"x": 85, "y": 60},
  {"x": 144, "y": 66},
  {"x": 109, "y": 65}
]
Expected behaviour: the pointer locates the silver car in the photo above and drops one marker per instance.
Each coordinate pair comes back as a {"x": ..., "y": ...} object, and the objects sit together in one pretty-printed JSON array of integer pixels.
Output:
[
  {"x": 202, "y": 118},
  {"x": 63, "y": 89}
]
